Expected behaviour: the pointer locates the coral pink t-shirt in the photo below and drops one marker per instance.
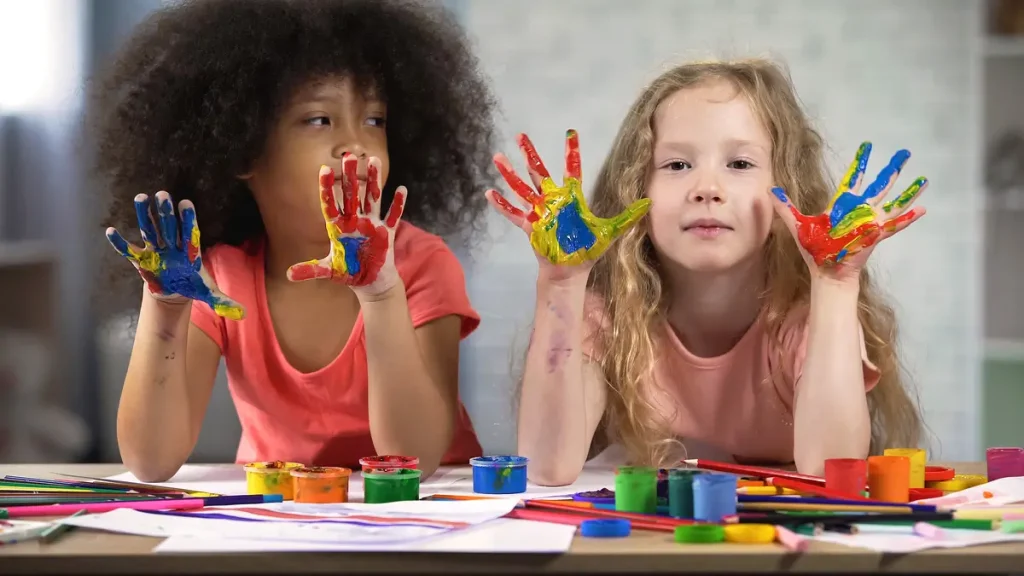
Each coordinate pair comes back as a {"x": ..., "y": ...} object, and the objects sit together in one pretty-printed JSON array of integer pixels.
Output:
[
  {"x": 730, "y": 408},
  {"x": 321, "y": 418}
]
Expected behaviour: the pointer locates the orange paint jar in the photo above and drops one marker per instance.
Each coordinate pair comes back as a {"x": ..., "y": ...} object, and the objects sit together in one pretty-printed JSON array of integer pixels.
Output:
[
  {"x": 889, "y": 478},
  {"x": 321, "y": 485}
]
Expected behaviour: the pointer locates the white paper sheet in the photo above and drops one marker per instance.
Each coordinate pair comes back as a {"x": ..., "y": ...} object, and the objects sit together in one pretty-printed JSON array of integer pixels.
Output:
[
  {"x": 12, "y": 531},
  {"x": 504, "y": 535},
  {"x": 355, "y": 526},
  {"x": 1003, "y": 491},
  {"x": 901, "y": 539}
]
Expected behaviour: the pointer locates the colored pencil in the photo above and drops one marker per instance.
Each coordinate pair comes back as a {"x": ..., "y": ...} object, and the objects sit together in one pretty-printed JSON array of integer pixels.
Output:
[
  {"x": 575, "y": 519},
  {"x": 103, "y": 482},
  {"x": 754, "y": 471},
  {"x": 56, "y": 483},
  {"x": 788, "y": 519},
  {"x": 752, "y": 499},
  {"x": 960, "y": 524},
  {"x": 67, "y": 509},
  {"x": 806, "y": 488},
  {"x": 797, "y": 506},
  {"x": 51, "y": 534},
  {"x": 599, "y": 513}
]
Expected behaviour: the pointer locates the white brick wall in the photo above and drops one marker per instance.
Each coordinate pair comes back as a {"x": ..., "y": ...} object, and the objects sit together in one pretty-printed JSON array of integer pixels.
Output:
[{"x": 899, "y": 73}]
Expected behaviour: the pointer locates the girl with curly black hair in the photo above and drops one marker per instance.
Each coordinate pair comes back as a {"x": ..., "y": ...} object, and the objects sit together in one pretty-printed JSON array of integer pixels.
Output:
[{"x": 269, "y": 121}]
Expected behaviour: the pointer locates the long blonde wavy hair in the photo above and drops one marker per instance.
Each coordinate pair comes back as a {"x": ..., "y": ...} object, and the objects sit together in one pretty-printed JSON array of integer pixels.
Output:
[{"x": 628, "y": 280}]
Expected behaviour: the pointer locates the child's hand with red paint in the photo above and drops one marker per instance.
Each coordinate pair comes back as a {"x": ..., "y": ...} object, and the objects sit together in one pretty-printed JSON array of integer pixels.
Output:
[
  {"x": 837, "y": 243},
  {"x": 361, "y": 254},
  {"x": 170, "y": 261},
  {"x": 567, "y": 237}
]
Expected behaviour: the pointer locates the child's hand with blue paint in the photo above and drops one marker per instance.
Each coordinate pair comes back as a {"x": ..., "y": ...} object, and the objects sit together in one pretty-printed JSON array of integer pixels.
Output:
[
  {"x": 563, "y": 231},
  {"x": 170, "y": 261},
  {"x": 361, "y": 254},
  {"x": 854, "y": 221}
]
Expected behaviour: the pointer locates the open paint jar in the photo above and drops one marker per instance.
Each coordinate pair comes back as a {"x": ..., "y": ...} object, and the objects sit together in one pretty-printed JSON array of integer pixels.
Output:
[
  {"x": 271, "y": 478},
  {"x": 320, "y": 484},
  {"x": 370, "y": 463},
  {"x": 636, "y": 489},
  {"x": 391, "y": 485},
  {"x": 499, "y": 474}
]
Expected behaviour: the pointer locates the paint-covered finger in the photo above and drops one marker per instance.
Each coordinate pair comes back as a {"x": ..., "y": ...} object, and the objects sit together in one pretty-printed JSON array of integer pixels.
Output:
[
  {"x": 169, "y": 230},
  {"x": 396, "y": 208},
  {"x": 573, "y": 163},
  {"x": 851, "y": 179},
  {"x": 785, "y": 209},
  {"x": 350, "y": 185},
  {"x": 189, "y": 230},
  {"x": 513, "y": 214},
  {"x": 907, "y": 197},
  {"x": 371, "y": 200},
  {"x": 534, "y": 165},
  {"x": 877, "y": 190},
  {"x": 144, "y": 217},
  {"x": 522, "y": 189},
  {"x": 310, "y": 270},
  {"x": 895, "y": 225},
  {"x": 328, "y": 201},
  {"x": 121, "y": 245},
  {"x": 226, "y": 307},
  {"x": 630, "y": 216}
]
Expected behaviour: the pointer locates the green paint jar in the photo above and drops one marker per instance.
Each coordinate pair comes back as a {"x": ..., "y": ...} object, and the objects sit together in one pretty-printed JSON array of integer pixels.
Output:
[
  {"x": 680, "y": 492},
  {"x": 636, "y": 489},
  {"x": 391, "y": 485}
]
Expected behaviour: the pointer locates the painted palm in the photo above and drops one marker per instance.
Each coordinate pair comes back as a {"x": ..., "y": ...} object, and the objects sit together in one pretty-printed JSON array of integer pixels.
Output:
[{"x": 562, "y": 229}]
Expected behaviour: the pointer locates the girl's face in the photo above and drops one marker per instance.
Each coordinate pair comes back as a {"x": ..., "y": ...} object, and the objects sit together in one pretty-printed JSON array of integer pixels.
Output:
[
  {"x": 323, "y": 121},
  {"x": 712, "y": 173}
]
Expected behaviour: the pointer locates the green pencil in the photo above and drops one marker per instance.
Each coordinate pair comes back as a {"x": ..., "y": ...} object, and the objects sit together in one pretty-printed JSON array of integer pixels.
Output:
[
  {"x": 961, "y": 524},
  {"x": 56, "y": 531}
]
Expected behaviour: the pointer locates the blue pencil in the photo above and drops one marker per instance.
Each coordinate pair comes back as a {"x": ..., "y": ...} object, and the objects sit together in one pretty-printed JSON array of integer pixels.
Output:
[
  {"x": 751, "y": 499},
  {"x": 242, "y": 499}
]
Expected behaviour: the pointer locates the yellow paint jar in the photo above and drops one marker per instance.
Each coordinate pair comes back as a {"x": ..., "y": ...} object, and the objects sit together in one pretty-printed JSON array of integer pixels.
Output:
[
  {"x": 918, "y": 459},
  {"x": 271, "y": 478}
]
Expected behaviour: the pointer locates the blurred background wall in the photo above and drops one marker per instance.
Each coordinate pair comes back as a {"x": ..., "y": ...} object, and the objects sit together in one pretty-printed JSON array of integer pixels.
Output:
[{"x": 943, "y": 78}]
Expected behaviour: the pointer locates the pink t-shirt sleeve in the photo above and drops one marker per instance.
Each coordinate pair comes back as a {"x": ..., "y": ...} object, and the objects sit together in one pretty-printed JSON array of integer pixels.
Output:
[
  {"x": 203, "y": 317},
  {"x": 435, "y": 287},
  {"x": 793, "y": 353}
]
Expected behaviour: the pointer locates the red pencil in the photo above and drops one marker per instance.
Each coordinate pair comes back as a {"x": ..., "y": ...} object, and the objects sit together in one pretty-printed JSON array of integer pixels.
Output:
[
  {"x": 578, "y": 509},
  {"x": 806, "y": 488},
  {"x": 754, "y": 471},
  {"x": 575, "y": 519}
]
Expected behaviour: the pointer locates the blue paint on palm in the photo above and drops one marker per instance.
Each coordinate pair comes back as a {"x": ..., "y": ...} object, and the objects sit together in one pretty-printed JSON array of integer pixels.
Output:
[
  {"x": 572, "y": 232},
  {"x": 848, "y": 201},
  {"x": 352, "y": 246}
]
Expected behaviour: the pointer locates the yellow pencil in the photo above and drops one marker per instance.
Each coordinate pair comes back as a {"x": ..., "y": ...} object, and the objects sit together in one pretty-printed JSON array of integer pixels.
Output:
[
  {"x": 766, "y": 491},
  {"x": 993, "y": 513}
]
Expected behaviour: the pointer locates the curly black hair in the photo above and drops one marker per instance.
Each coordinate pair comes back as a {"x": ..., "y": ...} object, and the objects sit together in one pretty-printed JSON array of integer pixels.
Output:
[{"x": 189, "y": 101}]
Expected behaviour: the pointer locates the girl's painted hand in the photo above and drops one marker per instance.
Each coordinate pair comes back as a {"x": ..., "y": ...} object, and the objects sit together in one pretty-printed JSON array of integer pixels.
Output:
[
  {"x": 170, "y": 262},
  {"x": 563, "y": 231},
  {"x": 361, "y": 254},
  {"x": 839, "y": 241}
]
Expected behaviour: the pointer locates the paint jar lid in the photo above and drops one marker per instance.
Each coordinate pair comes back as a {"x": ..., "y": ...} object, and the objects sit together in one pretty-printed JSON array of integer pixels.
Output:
[
  {"x": 750, "y": 533},
  {"x": 271, "y": 467},
  {"x": 699, "y": 533},
  {"x": 499, "y": 461},
  {"x": 390, "y": 461},
  {"x": 925, "y": 493},
  {"x": 393, "y": 473},
  {"x": 605, "y": 528},
  {"x": 938, "y": 473},
  {"x": 321, "y": 472}
]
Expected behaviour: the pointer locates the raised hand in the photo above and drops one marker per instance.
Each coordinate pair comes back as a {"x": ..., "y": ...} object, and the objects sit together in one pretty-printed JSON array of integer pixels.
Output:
[
  {"x": 170, "y": 261},
  {"x": 562, "y": 229},
  {"x": 854, "y": 222},
  {"x": 361, "y": 254}
]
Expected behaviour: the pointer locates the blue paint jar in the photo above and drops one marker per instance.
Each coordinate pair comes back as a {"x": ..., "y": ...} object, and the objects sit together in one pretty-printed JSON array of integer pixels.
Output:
[
  {"x": 714, "y": 496},
  {"x": 499, "y": 474}
]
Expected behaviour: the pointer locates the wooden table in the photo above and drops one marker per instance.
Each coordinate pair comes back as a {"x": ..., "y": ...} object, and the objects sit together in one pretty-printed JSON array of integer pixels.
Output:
[{"x": 90, "y": 552}]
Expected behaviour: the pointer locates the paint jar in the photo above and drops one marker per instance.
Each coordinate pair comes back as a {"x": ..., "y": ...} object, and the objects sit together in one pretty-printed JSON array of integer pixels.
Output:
[
  {"x": 918, "y": 461},
  {"x": 636, "y": 489},
  {"x": 889, "y": 478},
  {"x": 714, "y": 497},
  {"x": 680, "y": 492},
  {"x": 271, "y": 478},
  {"x": 391, "y": 485},
  {"x": 846, "y": 475},
  {"x": 321, "y": 485},
  {"x": 1004, "y": 462},
  {"x": 499, "y": 474},
  {"x": 370, "y": 463}
]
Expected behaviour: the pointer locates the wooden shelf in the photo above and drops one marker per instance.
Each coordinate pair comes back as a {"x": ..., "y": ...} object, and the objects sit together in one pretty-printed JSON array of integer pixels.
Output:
[{"x": 1004, "y": 47}]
